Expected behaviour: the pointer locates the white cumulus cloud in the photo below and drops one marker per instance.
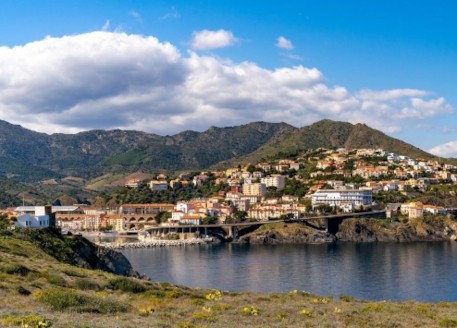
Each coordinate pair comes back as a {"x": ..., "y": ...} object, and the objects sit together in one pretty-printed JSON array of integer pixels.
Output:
[
  {"x": 116, "y": 80},
  {"x": 448, "y": 149},
  {"x": 284, "y": 43},
  {"x": 206, "y": 39}
]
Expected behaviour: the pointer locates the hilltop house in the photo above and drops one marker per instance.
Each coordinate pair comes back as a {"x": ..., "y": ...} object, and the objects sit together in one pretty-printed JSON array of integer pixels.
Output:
[{"x": 41, "y": 218}]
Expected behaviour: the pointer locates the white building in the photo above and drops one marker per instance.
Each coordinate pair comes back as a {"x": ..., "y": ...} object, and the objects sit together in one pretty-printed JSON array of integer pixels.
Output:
[
  {"x": 275, "y": 180},
  {"x": 184, "y": 207},
  {"x": 41, "y": 218},
  {"x": 340, "y": 197}
]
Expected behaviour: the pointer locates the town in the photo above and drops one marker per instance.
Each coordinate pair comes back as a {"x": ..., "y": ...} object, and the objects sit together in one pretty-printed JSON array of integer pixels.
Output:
[{"x": 316, "y": 182}]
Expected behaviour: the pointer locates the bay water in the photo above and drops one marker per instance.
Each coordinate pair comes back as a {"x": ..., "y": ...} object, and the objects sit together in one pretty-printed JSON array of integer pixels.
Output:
[{"x": 421, "y": 271}]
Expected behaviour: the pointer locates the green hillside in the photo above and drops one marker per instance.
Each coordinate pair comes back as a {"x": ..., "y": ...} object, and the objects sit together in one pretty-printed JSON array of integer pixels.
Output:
[
  {"x": 332, "y": 134},
  {"x": 39, "y": 288},
  {"x": 28, "y": 157}
]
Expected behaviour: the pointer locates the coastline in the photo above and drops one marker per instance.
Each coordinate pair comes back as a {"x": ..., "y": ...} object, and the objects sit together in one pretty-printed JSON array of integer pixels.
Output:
[
  {"x": 88, "y": 298},
  {"x": 350, "y": 230}
]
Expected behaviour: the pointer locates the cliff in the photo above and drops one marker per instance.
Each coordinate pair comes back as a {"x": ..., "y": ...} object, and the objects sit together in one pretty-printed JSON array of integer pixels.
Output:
[
  {"x": 76, "y": 250},
  {"x": 423, "y": 229}
]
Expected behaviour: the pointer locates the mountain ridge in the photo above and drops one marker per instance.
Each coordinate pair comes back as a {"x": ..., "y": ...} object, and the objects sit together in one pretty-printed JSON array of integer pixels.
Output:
[{"x": 32, "y": 156}]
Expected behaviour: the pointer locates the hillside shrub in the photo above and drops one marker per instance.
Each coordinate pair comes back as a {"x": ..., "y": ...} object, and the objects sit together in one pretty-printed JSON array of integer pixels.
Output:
[
  {"x": 56, "y": 280},
  {"x": 14, "y": 268},
  {"x": 73, "y": 272},
  {"x": 86, "y": 284},
  {"x": 29, "y": 320},
  {"x": 71, "y": 300},
  {"x": 447, "y": 322},
  {"x": 126, "y": 285}
]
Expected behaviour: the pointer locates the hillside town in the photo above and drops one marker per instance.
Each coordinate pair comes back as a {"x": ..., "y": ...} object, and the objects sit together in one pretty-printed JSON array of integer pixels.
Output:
[{"x": 317, "y": 182}]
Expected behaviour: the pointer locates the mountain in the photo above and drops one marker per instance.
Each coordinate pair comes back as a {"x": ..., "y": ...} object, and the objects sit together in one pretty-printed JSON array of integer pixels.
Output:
[
  {"x": 332, "y": 134},
  {"x": 32, "y": 156}
]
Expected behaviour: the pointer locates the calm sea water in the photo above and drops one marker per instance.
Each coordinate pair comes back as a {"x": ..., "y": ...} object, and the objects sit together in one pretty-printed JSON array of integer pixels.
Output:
[{"x": 374, "y": 271}]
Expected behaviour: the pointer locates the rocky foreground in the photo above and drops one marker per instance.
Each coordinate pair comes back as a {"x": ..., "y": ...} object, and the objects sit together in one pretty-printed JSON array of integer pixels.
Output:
[{"x": 357, "y": 230}]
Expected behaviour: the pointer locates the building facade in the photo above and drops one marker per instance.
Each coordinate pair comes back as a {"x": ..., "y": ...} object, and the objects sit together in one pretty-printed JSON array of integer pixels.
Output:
[
  {"x": 341, "y": 197},
  {"x": 254, "y": 189},
  {"x": 275, "y": 180}
]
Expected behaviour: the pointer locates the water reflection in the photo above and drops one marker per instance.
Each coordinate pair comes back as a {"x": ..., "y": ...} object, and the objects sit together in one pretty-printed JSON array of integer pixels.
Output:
[{"x": 393, "y": 271}]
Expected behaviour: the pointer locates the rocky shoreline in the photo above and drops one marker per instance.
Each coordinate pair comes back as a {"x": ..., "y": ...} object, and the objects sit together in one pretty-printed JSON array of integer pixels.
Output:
[
  {"x": 350, "y": 230},
  {"x": 419, "y": 229},
  {"x": 151, "y": 243},
  {"x": 357, "y": 230}
]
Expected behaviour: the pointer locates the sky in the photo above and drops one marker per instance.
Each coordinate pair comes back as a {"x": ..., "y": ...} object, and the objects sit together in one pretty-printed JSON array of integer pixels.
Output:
[{"x": 169, "y": 66}]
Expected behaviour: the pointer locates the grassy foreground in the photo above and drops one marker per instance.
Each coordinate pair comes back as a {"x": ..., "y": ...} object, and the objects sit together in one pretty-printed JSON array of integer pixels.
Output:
[{"x": 36, "y": 290}]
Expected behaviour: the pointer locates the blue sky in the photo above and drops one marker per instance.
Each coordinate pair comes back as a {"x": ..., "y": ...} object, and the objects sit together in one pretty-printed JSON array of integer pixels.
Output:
[{"x": 193, "y": 64}]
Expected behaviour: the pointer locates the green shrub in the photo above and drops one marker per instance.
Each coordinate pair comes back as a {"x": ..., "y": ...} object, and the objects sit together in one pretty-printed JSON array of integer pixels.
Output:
[
  {"x": 174, "y": 294},
  {"x": 56, "y": 280},
  {"x": 74, "y": 273},
  {"x": 70, "y": 300},
  {"x": 373, "y": 307},
  {"x": 198, "y": 301},
  {"x": 86, "y": 284},
  {"x": 186, "y": 324},
  {"x": 250, "y": 311},
  {"x": 29, "y": 320},
  {"x": 446, "y": 322},
  {"x": 14, "y": 268},
  {"x": 155, "y": 293},
  {"x": 126, "y": 285},
  {"x": 346, "y": 298}
]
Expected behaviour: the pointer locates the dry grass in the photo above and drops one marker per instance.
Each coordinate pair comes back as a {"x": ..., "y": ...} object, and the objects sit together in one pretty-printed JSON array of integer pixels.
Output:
[{"x": 66, "y": 296}]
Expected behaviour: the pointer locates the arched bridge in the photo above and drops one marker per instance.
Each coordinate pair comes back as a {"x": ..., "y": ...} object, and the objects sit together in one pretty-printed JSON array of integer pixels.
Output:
[
  {"x": 133, "y": 221},
  {"x": 228, "y": 232}
]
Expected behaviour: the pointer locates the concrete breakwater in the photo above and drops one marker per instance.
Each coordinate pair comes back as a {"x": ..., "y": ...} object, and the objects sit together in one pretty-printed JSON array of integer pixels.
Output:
[{"x": 149, "y": 243}]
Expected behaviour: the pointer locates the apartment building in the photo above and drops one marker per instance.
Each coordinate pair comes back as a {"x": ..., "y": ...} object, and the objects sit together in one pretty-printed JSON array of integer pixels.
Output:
[{"x": 339, "y": 197}]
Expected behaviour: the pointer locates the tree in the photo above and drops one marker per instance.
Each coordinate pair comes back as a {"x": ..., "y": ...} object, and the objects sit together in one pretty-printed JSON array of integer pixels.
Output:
[
  {"x": 209, "y": 220},
  {"x": 307, "y": 203},
  {"x": 5, "y": 224},
  {"x": 295, "y": 188},
  {"x": 240, "y": 216},
  {"x": 251, "y": 168},
  {"x": 229, "y": 219},
  {"x": 288, "y": 216},
  {"x": 274, "y": 192},
  {"x": 162, "y": 217}
]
